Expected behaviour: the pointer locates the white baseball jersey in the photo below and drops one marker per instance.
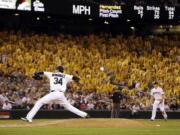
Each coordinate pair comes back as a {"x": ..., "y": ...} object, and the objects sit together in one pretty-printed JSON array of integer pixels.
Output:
[
  {"x": 157, "y": 93},
  {"x": 58, "y": 81}
]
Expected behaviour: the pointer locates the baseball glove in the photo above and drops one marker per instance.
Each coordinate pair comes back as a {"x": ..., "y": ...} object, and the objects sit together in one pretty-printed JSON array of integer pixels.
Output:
[{"x": 37, "y": 77}]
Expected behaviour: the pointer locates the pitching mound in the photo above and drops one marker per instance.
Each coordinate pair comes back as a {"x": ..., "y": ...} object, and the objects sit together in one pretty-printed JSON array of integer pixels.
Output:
[{"x": 70, "y": 123}]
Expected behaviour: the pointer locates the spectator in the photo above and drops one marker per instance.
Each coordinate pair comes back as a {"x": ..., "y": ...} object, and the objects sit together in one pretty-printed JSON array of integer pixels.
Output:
[
  {"x": 174, "y": 106},
  {"x": 135, "y": 109},
  {"x": 90, "y": 106},
  {"x": 131, "y": 63},
  {"x": 6, "y": 105}
]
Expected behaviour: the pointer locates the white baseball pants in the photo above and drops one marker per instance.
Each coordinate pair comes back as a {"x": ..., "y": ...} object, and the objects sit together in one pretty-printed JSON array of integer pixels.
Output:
[
  {"x": 54, "y": 96},
  {"x": 160, "y": 105}
]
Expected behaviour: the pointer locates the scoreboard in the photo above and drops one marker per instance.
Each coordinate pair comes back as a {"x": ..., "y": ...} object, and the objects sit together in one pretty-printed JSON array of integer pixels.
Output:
[{"x": 75, "y": 8}]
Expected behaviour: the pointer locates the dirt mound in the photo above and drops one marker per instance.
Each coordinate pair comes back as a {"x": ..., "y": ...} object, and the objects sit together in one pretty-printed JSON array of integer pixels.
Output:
[{"x": 77, "y": 123}]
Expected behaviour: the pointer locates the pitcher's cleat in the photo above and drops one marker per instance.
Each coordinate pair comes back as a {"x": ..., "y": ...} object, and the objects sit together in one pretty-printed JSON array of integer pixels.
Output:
[
  {"x": 151, "y": 119},
  {"x": 87, "y": 116},
  {"x": 25, "y": 119}
]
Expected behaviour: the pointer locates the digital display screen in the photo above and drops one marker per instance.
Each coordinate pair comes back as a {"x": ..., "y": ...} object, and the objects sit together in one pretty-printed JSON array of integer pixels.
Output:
[
  {"x": 24, "y": 5},
  {"x": 75, "y": 8},
  {"x": 38, "y": 6},
  {"x": 8, "y": 4}
]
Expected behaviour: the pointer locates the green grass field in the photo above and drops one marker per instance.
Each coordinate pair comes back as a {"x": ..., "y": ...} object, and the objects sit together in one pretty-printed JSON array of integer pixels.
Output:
[{"x": 90, "y": 127}]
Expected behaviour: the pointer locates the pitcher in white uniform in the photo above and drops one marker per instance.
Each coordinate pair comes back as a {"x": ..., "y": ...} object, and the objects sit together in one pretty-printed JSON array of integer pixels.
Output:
[
  {"x": 58, "y": 84},
  {"x": 157, "y": 94}
]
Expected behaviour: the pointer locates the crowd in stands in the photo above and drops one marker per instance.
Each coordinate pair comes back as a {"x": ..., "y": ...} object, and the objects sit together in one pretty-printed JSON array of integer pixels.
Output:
[{"x": 103, "y": 62}]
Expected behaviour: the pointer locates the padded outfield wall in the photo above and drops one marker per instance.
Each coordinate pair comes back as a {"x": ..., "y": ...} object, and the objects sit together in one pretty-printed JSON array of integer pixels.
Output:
[{"x": 61, "y": 114}]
